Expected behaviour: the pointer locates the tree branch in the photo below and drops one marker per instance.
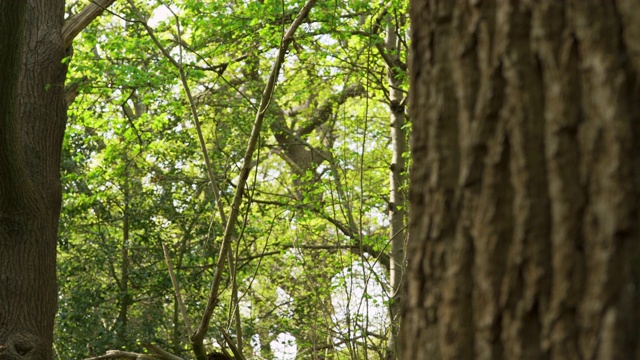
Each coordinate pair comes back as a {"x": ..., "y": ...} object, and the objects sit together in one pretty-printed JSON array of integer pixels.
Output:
[
  {"x": 324, "y": 111},
  {"x": 344, "y": 229},
  {"x": 81, "y": 20},
  {"x": 176, "y": 289},
  {"x": 198, "y": 337},
  {"x": 355, "y": 249}
]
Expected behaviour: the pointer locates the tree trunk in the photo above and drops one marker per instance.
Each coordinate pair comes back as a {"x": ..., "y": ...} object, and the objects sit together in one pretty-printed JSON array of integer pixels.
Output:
[
  {"x": 32, "y": 120},
  {"x": 124, "y": 297},
  {"x": 397, "y": 179},
  {"x": 524, "y": 188}
]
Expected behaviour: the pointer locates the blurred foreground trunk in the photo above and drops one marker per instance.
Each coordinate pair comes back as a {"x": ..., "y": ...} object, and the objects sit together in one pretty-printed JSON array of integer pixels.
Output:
[{"x": 524, "y": 226}]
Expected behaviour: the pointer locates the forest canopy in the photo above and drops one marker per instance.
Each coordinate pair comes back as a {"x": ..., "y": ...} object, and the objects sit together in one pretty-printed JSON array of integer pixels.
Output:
[{"x": 164, "y": 97}]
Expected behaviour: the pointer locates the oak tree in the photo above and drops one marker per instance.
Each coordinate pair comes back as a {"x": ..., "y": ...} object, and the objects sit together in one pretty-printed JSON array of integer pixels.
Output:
[
  {"x": 524, "y": 187},
  {"x": 33, "y": 44}
]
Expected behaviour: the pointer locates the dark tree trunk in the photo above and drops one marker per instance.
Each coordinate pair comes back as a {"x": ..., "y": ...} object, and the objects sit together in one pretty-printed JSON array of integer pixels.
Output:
[
  {"x": 524, "y": 236},
  {"x": 32, "y": 120}
]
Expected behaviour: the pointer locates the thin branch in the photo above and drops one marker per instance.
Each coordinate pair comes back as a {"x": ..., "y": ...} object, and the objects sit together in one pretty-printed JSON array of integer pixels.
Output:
[
  {"x": 220, "y": 68},
  {"x": 198, "y": 337},
  {"x": 344, "y": 229},
  {"x": 236, "y": 352},
  {"x": 376, "y": 28},
  {"x": 192, "y": 106},
  {"x": 176, "y": 288},
  {"x": 196, "y": 341},
  {"x": 355, "y": 249}
]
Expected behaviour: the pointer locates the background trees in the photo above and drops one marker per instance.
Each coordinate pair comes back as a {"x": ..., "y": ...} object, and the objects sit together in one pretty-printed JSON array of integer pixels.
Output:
[
  {"x": 309, "y": 262},
  {"x": 524, "y": 201}
]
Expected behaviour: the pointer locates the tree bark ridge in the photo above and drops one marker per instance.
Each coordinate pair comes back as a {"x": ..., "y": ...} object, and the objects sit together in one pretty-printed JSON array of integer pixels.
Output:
[{"x": 525, "y": 182}]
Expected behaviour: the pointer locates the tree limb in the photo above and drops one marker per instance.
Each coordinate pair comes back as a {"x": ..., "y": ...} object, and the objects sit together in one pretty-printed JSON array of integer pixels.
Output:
[
  {"x": 81, "y": 20},
  {"x": 324, "y": 111}
]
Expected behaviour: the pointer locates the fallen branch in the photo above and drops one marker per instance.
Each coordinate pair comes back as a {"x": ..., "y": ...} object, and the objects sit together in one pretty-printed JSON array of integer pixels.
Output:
[
  {"x": 119, "y": 354},
  {"x": 157, "y": 353}
]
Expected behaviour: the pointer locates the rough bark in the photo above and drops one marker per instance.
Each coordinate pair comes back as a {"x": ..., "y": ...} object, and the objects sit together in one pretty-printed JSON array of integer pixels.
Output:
[
  {"x": 524, "y": 236},
  {"x": 32, "y": 120}
]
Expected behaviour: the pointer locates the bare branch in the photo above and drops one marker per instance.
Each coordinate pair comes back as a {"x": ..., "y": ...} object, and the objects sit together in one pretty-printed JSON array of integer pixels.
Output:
[
  {"x": 236, "y": 352},
  {"x": 354, "y": 249}
]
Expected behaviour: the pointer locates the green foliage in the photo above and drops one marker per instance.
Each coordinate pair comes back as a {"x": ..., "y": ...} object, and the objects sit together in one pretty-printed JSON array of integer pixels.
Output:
[{"x": 134, "y": 180}]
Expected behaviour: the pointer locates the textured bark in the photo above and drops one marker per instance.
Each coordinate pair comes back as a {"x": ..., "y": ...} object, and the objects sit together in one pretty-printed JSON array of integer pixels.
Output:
[
  {"x": 32, "y": 121},
  {"x": 524, "y": 239}
]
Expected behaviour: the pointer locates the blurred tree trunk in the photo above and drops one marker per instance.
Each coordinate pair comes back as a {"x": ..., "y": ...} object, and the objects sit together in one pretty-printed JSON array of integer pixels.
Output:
[
  {"x": 32, "y": 120},
  {"x": 525, "y": 181}
]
